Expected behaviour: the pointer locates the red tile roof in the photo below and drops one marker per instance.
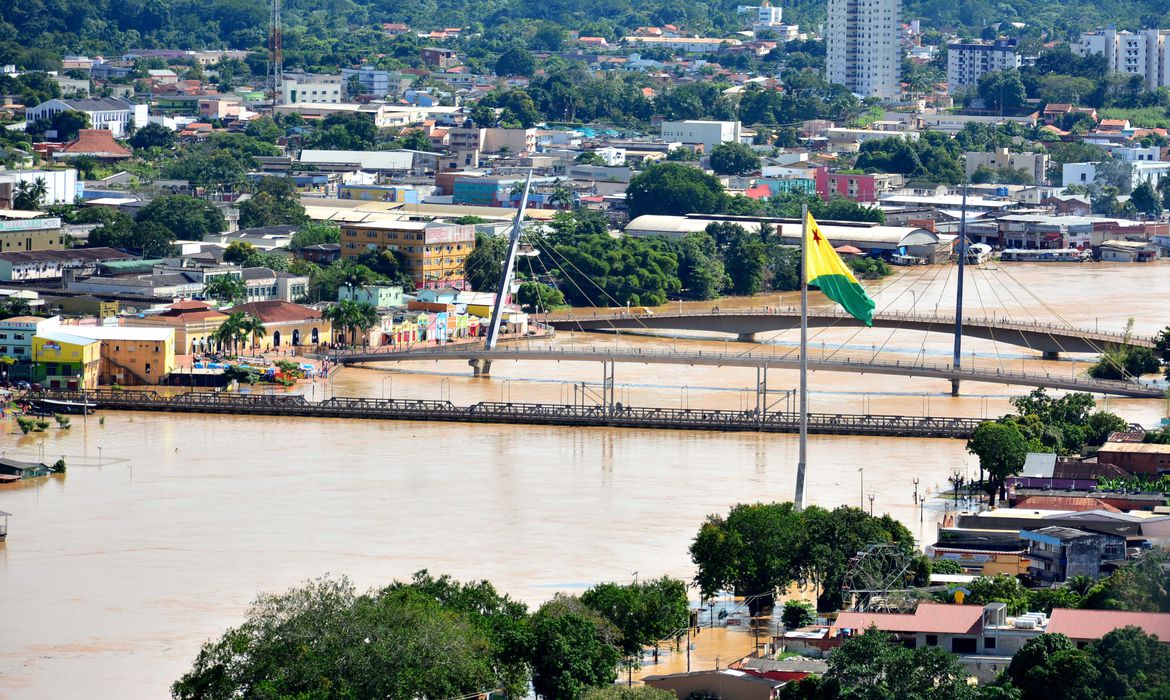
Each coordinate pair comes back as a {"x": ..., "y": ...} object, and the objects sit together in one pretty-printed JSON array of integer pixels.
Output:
[
  {"x": 929, "y": 618},
  {"x": 277, "y": 311},
  {"x": 96, "y": 142},
  {"x": 1094, "y": 624}
]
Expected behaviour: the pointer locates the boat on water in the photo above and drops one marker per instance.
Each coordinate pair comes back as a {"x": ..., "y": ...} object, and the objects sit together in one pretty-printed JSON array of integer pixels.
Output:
[
  {"x": 1049, "y": 255},
  {"x": 978, "y": 253},
  {"x": 51, "y": 406}
]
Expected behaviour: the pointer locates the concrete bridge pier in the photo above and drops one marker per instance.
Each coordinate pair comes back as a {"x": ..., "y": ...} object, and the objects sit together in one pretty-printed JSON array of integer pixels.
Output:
[
  {"x": 481, "y": 368},
  {"x": 1051, "y": 355},
  {"x": 746, "y": 337},
  {"x": 954, "y": 387}
]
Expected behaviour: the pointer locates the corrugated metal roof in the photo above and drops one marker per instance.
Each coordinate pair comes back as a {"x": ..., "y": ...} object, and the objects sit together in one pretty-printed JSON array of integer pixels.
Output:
[
  {"x": 1094, "y": 624},
  {"x": 928, "y": 618}
]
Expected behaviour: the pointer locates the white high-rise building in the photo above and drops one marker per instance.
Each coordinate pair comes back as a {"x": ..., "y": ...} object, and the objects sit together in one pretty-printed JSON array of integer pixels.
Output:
[
  {"x": 861, "y": 40},
  {"x": 966, "y": 63},
  {"x": 1146, "y": 53}
]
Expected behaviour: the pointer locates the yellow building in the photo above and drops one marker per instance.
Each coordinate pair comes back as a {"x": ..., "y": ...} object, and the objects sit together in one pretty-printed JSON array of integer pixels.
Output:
[
  {"x": 131, "y": 356},
  {"x": 433, "y": 252},
  {"x": 288, "y": 325},
  {"x": 65, "y": 361},
  {"x": 30, "y": 234},
  {"x": 195, "y": 324}
]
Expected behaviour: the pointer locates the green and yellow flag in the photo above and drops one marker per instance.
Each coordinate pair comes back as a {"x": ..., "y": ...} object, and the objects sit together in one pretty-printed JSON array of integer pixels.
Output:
[{"x": 832, "y": 276}]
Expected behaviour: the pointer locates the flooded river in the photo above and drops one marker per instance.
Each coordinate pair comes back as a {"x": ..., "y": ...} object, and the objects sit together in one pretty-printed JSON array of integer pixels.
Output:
[{"x": 166, "y": 526}]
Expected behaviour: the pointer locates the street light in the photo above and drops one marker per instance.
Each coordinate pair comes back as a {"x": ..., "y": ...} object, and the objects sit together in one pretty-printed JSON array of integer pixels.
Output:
[
  {"x": 871, "y": 497},
  {"x": 390, "y": 379},
  {"x": 861, "y": 471}
]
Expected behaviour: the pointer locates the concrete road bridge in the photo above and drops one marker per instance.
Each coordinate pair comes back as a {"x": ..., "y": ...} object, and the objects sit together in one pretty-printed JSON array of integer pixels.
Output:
[
  {"x": 766, "y": 359},
  {"x": 746, "y": 323}
]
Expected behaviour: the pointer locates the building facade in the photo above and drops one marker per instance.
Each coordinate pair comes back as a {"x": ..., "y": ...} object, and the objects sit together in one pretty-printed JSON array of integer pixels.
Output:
[
  {"x": 708, "y": 134},
  {"x": 315, "y": 89},
  {"x": 1035, "y": 164},
  {"x": 110, "y": 113},
  {"x": 432, "y": 253},
  {"x": 66, "y": 361},
  {"x": 131, "y": 356},
  {"x": 967, "y": 62},
  {"x": 27, "y": 235},
  {"x": 1143, "y": 53},
  {"x": 861, "y": 43},
  {"x": 61, "y": 186}
]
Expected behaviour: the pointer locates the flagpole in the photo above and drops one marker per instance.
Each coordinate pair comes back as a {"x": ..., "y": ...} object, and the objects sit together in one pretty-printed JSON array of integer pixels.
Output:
[{"x": 803, "y": 454}]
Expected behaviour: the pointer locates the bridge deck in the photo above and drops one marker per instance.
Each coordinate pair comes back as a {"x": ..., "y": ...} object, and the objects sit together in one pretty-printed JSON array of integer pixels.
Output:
[
  {"x": 526, "y": 413},
  {"x": 1048, "y": 338},
  {"x": 757, "y": 359}
]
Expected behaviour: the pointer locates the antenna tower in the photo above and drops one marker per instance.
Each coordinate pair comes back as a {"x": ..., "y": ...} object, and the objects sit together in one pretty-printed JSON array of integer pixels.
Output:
[{"x": 276, "y": 57}]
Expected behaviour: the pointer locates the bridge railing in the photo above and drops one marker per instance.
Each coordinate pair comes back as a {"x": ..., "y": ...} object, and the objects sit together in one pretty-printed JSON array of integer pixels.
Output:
[
  {"x": 650, "y": 354},
  {"x": 991, "y": 322}
]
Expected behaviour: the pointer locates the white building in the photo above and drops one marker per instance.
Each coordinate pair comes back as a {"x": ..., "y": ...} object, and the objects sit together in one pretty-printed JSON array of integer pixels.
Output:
[
  {"x": 374, "y": 81},
  {"x": 861, "y": 42},
  {"x": 110, "y": 113},
  {"x": 1035, "y": 164},
  {"x": 612, "y": 156},
  {"x": 1143, "y": 171},
  {"x": 681, "y": 44},
  {"x": 61, "y": 186},
  {"x": 966, "y": 63},
  {"x": 693, "y": 132},
  {"x": 1143, "y": 53},
  {"x": 316, "y": 89}
]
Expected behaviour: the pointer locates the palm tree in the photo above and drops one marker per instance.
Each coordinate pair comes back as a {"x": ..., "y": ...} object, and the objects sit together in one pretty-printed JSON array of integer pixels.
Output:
[
  {"x": 228, "y": 332},
  {"x": 30, "y": 195},
  {"x": 363, "y": 317},
  {"x": 252, "y": 327},
  {"x": 336, "y": 315},
  {"x": 561, "y": 198},
  {"x": 226, "y": 289}
]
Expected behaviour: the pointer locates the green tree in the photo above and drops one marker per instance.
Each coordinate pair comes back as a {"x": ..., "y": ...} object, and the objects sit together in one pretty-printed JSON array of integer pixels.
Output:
[
  {"x": 30, "y": 195},
  {"x": 226, "y": 289},
  {"x": 621, "y": 692},
  {"x": 315, "y": 233},
  {"x": 68, "y": 123},
  {"x": 870, "y": 666},
  {"x": 324, "y": 640},
  {"x": 745, "y": 260},
  {"x": 589, "y": 158},
  {"x": 700, "y": 269},
  {"x": 484, "y": 266},
  {"x": 535, "y": 297},
  {"x": 264, "y": 129},
  {"x": 675, "y": 189},
  {"x": 153, "y": 136},
  {"x": 1001, "y": 449},
  {"x": 275, "y": 202},
  {"x": 797, "y": 614},
  {"x": 515, "y": 61},
  {"x": 734, "y": 158},
  {"x": 190, "y": 219},
  {"x": 643, "y": 613},
  {"x": 1002, "y": 91},
  {"x": 576, "y": 649}
]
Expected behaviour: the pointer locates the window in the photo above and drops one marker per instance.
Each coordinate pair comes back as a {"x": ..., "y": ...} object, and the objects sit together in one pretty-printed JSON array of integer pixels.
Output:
[
  {"x": 932, "y": 640},
  {"x": 989, "y": 642},
  {"x": 963, "y": 645}
]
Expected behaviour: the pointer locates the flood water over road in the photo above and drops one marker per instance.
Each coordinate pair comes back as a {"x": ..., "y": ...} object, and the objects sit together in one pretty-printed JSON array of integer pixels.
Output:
[{"x": 166, "y": 526}]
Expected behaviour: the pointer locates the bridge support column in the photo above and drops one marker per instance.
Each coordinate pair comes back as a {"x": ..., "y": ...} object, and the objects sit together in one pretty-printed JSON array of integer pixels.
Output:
[
  {"x": 481, "y": 368},
  {"x": 954, "y": 387},
  {"x": 1051, "y": 355},
  {"x": 746, "y": 337}
]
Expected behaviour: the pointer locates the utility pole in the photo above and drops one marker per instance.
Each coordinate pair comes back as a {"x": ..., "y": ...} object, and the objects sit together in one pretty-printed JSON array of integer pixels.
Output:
[
  {"x": 959, "y": 293},
  {"x": 277, "y": 57}
]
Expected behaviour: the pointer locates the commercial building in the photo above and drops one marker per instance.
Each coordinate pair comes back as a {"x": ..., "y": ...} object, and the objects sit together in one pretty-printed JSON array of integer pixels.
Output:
[
  {"x": 1059, "y": 553},
  {"x": 52, "y": 264},
  {"x": 698, "y": 132},
  {"x": 433, "y": 253},
  {"x": 61, "y": 186},
  {"x": 382, "y": 296},
  {"x": 861, "y": 43},
  {"x": 288, "y": 324},
  {"x": 1035, "y": 164},
  {"x": 373, "y": 81},
  {"x": 27, "y": 235},
  {"x": 967, "y": 62},
  {"x": 1143, "y": 53},
  {"x": 113, "y": 114},
  {"x": 317, "y": 89},
  {"x": 130, "y": 355},
  {"x": 194, "y": 324},
  {"x": 62, "y": 360},
  {"x": 16, "y": 343}
]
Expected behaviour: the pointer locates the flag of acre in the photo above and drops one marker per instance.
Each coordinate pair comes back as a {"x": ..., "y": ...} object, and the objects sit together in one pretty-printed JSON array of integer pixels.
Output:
[{"x": 833, "y": 277}]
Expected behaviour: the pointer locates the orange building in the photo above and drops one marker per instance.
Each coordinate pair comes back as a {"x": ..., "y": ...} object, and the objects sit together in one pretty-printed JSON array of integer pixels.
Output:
[{"x": 433, "y": 252}]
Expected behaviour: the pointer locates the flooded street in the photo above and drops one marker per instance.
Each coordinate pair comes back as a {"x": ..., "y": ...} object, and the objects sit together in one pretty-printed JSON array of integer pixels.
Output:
[{"x": 166, "y": 526}]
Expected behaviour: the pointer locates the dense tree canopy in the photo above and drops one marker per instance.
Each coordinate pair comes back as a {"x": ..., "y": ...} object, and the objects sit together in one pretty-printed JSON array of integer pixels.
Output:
[
  {"x": 188, "y": 218},
  {"x": 674, "y": 188}
]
